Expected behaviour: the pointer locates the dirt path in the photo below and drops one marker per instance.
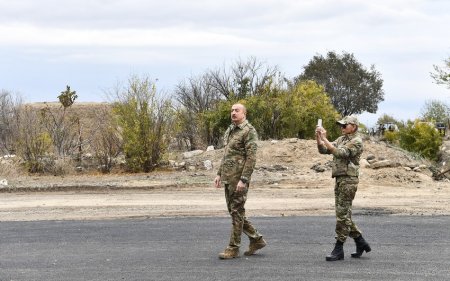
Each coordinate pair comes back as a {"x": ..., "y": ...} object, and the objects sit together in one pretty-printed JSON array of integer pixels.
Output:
[
  {"x": 282, "y": 199},
  {"x": 284, "y": 183}
]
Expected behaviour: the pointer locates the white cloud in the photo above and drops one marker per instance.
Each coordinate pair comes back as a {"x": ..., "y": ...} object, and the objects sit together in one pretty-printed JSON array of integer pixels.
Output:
[
  {"x": 403, "y": 38},
  {"x": 24, "y": 35}
]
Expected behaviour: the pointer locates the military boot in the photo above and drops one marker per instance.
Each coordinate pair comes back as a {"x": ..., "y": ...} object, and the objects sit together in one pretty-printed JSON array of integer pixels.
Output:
[
  {"x": 337, "y": 253},
  {"x": 229, "y": 253},
  {"x": 255, "y": 245},
  {"x": 361, "y": 246}
]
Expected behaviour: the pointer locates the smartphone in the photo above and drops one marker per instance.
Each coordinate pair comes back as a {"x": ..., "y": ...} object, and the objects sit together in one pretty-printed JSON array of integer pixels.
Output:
[{"x": 319, "y": 122}]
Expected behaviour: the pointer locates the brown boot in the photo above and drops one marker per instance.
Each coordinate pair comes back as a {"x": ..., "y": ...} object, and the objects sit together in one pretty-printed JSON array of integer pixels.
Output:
[
  {"x": 255, "y": 246},
  {"x": 229, "y": 253}
]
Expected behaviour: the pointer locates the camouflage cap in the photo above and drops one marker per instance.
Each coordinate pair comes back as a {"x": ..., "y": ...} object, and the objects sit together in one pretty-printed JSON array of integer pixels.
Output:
[{"x": 351, "y": 119}]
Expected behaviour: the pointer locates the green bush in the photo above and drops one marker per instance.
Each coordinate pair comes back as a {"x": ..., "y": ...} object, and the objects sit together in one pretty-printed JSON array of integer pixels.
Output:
[
  {"x": 278, "y": 114},
  {"x": 421, "y": 138},
  {"x": 301, "y": 106},
  {"x": 145, "y": 123},
  {"x": 391, "y": 137}
]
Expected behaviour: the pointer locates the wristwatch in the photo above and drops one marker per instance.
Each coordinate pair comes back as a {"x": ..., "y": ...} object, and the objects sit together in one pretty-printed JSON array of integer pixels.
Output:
[{"x": 244, "y": 180}]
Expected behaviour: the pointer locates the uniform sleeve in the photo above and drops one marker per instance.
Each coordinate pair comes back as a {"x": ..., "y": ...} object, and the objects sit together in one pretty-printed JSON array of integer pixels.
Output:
[
  {"x": 324, "y": 150},
  {"x": 349, "y": 149},
  {"x": 227, "y": 132},
  {"x": 250, "y": 150}
]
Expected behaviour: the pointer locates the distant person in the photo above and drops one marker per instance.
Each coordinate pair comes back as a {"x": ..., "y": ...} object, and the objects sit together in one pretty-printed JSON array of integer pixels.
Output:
[
  {"x": 234, "y": 175},
  {"x": 346, "y": 151}
]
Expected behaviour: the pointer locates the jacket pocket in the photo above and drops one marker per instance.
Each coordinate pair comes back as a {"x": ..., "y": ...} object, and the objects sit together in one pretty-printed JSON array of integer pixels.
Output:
[
  {"x": 339, "y": 168},
  {"x": 352, "y": 170}
]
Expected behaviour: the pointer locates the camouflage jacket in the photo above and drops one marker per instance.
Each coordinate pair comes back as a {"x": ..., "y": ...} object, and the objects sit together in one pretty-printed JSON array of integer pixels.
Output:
[
  {"x": 239, "y": 157},
  {"x": 346, "y": 156}
]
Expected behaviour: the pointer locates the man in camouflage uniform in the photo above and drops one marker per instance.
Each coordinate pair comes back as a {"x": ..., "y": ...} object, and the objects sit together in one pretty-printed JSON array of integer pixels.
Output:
[
  {"x": 234, "y": 175},
  {"x": 346, "y": 151}
]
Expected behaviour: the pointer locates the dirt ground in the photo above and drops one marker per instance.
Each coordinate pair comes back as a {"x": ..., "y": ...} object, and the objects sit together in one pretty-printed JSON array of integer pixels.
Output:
[{"x": 283, "y": 184}]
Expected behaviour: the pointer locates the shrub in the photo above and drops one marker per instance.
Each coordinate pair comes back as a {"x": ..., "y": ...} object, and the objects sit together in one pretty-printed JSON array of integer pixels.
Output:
[
  {"x": 391, "y": 137},
  {"x": 278, "y": 114},
  {"x": 422, "y": 138},
  {"x": 145, "y": 123}
]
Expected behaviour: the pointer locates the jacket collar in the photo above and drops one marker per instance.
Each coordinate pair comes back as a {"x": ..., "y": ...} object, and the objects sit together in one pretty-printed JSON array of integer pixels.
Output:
[
  {"x": 351, "y": 136},
  {"x": 240, "y": 126}
]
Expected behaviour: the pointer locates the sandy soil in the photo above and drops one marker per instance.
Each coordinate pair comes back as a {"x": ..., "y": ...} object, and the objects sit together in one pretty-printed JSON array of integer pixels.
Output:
[{"x": 283, "y": 185}]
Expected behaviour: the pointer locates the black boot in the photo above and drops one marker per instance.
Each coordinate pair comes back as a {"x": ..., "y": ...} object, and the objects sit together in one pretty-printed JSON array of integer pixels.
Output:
[
  {"x": 337, "y": 253},
  {"x": 361, "y": 246}
]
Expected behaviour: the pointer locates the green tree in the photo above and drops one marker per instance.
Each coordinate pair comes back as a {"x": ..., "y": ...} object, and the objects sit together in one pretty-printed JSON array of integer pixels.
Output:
[
  {"x": 435, "y": 111},
  {"x": 301, "y": 106},
  {"x": 67, "y": 97},
  {"x": 385, "y": 118},
  {"x": 388, "y": 119},
  {"x": 351, "y": 87},
  {"x": 146, "y": 123},
  {"x": 422, "y": 138},
  {"x": 206, "y": 100},
  {"x": 442, "y": 74},
  {"x": 285, "y": 113}
]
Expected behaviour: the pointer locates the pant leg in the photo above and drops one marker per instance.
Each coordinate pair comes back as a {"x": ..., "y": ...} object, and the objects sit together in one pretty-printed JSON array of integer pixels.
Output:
[
  {"x": 345, "y": 190},
  {"x": 250, "y": 230},
  {"x": 235, "y": 205}
]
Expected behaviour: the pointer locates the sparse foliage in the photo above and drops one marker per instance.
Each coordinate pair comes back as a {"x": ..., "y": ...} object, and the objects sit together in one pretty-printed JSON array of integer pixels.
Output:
[
  {"x": 351, "y": 87},
  {"x": 244, "y": 79},
  {"x": 442, "y": 74},
  {"x": 435, "y": 111},
  {"x": 385, "y": 118},
  {"x": 106, "y": 140},
  {"x": 9, "y": 114},
  {"x": 34, "y": 143},
  {"x": 196, "y": 96},
  {"x": 63, "y": 131}
]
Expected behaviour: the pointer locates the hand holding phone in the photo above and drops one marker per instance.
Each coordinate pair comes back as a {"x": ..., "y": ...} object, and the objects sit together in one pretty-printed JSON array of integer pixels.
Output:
[{"x": 319, "y": 122}]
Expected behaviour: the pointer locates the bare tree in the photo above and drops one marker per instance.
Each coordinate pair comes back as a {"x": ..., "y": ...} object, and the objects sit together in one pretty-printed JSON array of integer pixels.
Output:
[
  {"x": 106, "y": 140},
  {"x": 441, "y": 75},
  {"x": 9, "y": 114},
  {"x": 196, "y": 96},
  {"x": 64, "y": 130},
  {"x": 33, "y": 142},
  {"x": 245, "y": 78}
]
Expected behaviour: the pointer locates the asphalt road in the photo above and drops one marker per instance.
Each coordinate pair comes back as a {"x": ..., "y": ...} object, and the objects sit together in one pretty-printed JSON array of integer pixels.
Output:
[{"x": 403, "y": 248}]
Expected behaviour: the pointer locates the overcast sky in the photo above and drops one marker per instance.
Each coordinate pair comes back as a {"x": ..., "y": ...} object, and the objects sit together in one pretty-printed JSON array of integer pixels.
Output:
[{"x": 91, "y": 45}]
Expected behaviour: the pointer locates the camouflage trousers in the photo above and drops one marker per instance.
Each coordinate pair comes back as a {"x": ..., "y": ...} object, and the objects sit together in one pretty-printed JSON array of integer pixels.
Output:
[
  {"x": 235, "y": 204},
  {"x": 344, "y": 193}
]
